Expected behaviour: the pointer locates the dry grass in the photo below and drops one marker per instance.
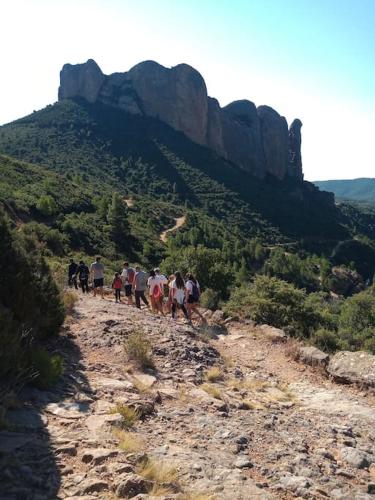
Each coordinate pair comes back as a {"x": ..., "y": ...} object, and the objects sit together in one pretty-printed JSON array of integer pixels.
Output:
[
  {"x": 183, "y": 394},
  {"x": 212, "y": 391},
  {"x": 250, "y": 405},
  {"x": 197, "y": 496},
  {"x": 292, "y": 349},
  {"x": 138, "y": 349},
  {"x": 214, "y": 374},
  {"x": 162, "y": 474},
  {"x": 250, "y": 384},
  {"x": 129, "y": 415},
  {"x": 159, "y": 490},
  {"x": 128, "y": 441},
  {"x": 70, "y": 298}
]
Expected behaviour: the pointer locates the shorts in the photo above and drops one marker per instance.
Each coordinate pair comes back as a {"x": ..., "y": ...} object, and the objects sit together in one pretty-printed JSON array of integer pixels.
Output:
[
  {"x": 98, "y": 282},
  {"x": 128, "y": 290}
]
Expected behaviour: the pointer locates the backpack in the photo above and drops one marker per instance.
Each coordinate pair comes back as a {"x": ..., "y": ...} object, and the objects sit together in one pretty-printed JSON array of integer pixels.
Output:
[
  {"x": 156, "y": 292},
  {"x": 142, "y": 280},
  {"x": 130, "y": 275},
  {"x": 195, "y": 292}
]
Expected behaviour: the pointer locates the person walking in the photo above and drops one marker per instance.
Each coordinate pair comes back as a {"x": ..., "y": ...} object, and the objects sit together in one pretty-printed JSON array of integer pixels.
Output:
[
  {"x": 162, "y": 279},
  {"x": 83, "y": 276},
  {"x": 127, "y": 277},
  {"x": 97, "y": 273},
  {"x": 155, "y": 292},
  {"x": 72, "y": 274},
  {"x": 192, "y": 295},
  {"x": 140, "y": 286},
  {"x": 178, "y": 295},
  {"x": 116, "y": 286}
]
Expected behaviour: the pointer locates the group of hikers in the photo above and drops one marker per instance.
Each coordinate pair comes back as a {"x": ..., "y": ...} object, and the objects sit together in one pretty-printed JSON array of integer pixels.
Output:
[{"x": 183, "y": 294}]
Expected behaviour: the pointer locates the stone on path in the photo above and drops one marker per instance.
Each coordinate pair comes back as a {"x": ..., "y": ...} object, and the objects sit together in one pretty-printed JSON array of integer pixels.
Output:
[
  {"x": 313, "y": 356},
  {"x": 103, "y": 423},
  {"x": 68, "y": 410},
  {"x": 353, "y": 367},
  {"x": 145, "y": 379},
  {"x": 111, "y": 383}
]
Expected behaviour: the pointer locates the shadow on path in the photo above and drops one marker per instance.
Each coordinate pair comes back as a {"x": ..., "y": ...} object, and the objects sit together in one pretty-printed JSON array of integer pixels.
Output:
[{"x": 29, "y": 450}]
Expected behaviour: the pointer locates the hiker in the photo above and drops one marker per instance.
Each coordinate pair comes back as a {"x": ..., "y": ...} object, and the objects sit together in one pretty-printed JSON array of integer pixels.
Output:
[
  {"x": 156, "y": 295},
  {"x": 97, "y": 273},
  {"x": 116, "y": 286},
  {"x": 127, "y": 276},
  {"x": 192, "y": 295},
  {"x": 72, "y": 274},
  {"x": 178, "y": 295},
  {"x": 168, "y": 305},
  {"x": 140, "y": 286},
  {"x": 83, "y": 276},
  {"x": 162, "y": 281}
]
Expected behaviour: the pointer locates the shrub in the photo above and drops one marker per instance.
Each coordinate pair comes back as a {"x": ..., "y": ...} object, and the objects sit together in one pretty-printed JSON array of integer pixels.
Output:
[
  {"x": 158, "y": 472},
  {"x": 138, "y": 350},
  {"x": 69, "y": 299},
  {"x": 212, "y": 391},
  {"x": 48, "y": 368},
  {"x": 214, "y": 374},
  {"x": 129, "y": 415},
  {"x": 275, "y": 302},
  {"x": 210, "y": 299},
  {"x": 128, "y": 441},
  {"x": 326, "y": 340},
  {"x": 46, "y": 205}
]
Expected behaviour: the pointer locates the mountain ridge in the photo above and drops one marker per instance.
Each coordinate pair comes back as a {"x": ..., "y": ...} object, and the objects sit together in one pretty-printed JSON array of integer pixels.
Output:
[
  {"x": 358, "y": 189},
  {"x": 256, "y": 139}
]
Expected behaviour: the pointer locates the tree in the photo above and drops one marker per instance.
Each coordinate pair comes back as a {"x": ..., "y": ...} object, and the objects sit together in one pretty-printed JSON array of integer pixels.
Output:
[
  {"x": 118, "y": 223},
  {"x": 46, "y": 205}
]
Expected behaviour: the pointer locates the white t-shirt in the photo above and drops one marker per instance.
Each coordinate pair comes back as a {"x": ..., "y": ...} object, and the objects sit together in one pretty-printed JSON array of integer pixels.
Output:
[
  {"x": 178, "y": 293},
  {"x": 156, "y": 281},
  {"x": 189, "y": 286}
]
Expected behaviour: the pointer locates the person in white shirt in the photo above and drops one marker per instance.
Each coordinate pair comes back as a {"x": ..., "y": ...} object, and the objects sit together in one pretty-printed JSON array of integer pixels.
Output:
[
  {"x": 155, "y": 284},
  {"x": 178, "y": 295}
]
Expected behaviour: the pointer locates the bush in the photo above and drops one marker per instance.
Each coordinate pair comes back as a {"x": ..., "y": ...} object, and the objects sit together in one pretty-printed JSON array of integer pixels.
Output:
[
  {"x": 46, "y": 205},
  {"x": 210, "y": 299},
  {"x": 70, "y": 299},
  {"x": 275, "y": 302},
  {"x": 326, "y": 340},
  {"x": 30, "y": 302},
  {"x": 138, "y": 349},
  {"x": 129, "y": 415},
  {"x": 48, "y": 368}
]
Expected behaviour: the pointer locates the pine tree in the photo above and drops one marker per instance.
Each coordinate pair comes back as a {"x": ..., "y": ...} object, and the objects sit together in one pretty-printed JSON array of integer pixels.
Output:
[{"x": 118, "y": 223}]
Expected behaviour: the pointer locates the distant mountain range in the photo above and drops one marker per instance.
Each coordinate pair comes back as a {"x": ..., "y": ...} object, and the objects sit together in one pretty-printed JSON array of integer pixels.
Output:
[{"x": 362, "y": 189}]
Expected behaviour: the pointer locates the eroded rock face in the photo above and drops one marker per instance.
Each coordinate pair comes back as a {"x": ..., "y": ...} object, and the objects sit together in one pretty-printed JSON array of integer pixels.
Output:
[
  {"x": 83, "y": 80},
  {"x": 256, "y": 140},
  {"x": 295, "y": 158},
  {"x": 274, "y": 131}
]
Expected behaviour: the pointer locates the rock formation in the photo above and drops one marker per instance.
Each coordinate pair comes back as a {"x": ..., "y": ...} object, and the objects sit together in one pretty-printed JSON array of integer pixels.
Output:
[{"x": 255, "y": 139}]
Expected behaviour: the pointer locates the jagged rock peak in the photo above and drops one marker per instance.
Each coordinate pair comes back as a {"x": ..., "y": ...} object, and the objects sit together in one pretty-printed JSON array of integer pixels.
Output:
[{"x": 255, "y": 139}]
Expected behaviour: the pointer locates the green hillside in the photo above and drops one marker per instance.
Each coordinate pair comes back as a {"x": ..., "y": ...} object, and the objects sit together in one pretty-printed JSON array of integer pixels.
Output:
[
  {"x": 354, "y": 189},
  {"x": 80, "y": 179},
  {"x": 107, "y": 149}
]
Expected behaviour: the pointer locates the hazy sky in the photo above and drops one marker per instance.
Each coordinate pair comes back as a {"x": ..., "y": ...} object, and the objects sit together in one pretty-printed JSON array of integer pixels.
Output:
[{"x": 311, "y": 59}]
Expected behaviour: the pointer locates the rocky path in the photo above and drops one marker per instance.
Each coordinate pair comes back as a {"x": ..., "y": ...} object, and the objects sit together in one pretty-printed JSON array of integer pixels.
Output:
[
  {"x": 260, "y": 426},
  {"x": 180, "y": 221}
]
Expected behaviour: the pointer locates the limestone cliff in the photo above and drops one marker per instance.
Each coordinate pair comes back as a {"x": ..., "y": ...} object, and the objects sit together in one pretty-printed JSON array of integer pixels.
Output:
[{"x": 255, "y": 139}]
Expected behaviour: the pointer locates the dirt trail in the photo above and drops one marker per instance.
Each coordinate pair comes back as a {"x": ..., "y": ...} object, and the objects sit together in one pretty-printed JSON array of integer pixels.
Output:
[
  {"x": 269, "y": 428},
  {"x": 180, "y": 221}
]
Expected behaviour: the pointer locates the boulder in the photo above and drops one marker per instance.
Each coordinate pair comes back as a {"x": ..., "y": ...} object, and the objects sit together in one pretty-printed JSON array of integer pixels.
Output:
[
  {"x": 313, "y": 356},
  {"x": 357, "y": 458},
  {"x": 131, "y": 485},
  {"x": 353, "y": 367},
  {"x": 98, "y": 455}
]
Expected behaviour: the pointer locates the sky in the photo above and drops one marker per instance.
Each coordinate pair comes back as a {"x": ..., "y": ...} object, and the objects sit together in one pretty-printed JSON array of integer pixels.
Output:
[{"x": 311, "y": 59}]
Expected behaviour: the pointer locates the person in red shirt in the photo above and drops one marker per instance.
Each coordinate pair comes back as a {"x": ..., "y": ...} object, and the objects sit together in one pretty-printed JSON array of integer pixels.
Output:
[{"x": 117, "y": 285}]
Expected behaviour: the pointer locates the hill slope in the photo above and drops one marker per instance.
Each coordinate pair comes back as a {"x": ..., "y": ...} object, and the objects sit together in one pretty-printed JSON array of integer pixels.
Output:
[
  {"x": 108, "y": 149},
  {"x": 362, "y": 189}
]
